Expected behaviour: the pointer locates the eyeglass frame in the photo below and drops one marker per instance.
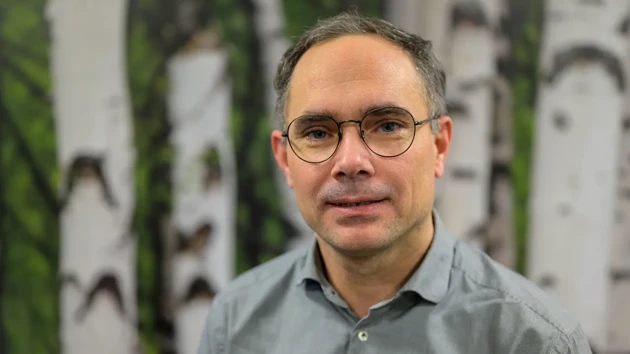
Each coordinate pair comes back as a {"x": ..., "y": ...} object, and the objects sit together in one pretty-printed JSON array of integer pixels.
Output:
[{"x": 285, "y": 133}]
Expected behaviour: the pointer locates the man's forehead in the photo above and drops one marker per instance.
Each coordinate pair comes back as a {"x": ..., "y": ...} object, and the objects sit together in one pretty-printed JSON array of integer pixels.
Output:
[
  {"x": 352, "y": 70},
  {"x": 349, "y": 51}
]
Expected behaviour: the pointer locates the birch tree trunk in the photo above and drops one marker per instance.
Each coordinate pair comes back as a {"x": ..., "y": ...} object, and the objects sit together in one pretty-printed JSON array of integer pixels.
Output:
[
  {"x": 429, "y": 20},
  {"x": 465, "y": 186},
  {"x": 580, "y": 105},
  {"x": 96, "y": 159},
  {"x": 500, "y": 233},
  {"x": 426, "y": 18},
  {"x": 475, "y": 195},
  {"x": 204, "y": 176},
  {"x": 619, "y": 305},
  {"x": 269, "y": 25}
]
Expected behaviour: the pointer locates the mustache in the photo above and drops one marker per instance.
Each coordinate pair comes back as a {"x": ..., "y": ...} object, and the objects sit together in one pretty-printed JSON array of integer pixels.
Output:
[{"x": 353, "y": 189}]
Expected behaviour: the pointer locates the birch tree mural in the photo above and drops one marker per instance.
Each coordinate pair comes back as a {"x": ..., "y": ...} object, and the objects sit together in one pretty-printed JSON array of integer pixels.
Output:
[
  {"x": 428, "y": 19},
  {"x": 96, "y": 158},
  {"x": 465, "y": 185},
  {"x": 500, "y": 243},
  {"x": 619, "y": 305},
  {"x": 203, "y": 255},
  {"x": 476, "y": 184},
  {"x": 580, "y": 107},
  {"x": 204, "y": 177},
  {"x": 269, "y": 25}
]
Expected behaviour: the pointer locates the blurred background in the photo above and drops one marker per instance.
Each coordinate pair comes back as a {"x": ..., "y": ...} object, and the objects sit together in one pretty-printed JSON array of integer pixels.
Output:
[{"x": 136, "y": 175}]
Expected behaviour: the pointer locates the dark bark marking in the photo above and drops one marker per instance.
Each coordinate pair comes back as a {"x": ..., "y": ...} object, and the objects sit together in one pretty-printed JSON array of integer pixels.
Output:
[
  {"x": 197, "y": 241},
  {"x": 88, "y": 166},
  {"x": 108, "y": 284},
  {"x": 624, "y": 26},
  {"x": 619, "y": 275},
  {"x": 464, "y": 173},
  {"x": 626, "y": 123},
  {"x": 469, "y": 12},
  {"x": 587, "y": 53},
  {"x": 498, "y": 171},
  {"x": 70, "y": 279},
  {"x": 547, "y": 281},
  {"x": 561, "y": 121},
  {"x": 457, "y": 108},
  {"x": 199, "y": 289}
]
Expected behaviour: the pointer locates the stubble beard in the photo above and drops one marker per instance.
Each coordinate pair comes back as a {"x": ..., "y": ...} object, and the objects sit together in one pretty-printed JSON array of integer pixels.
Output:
[{"x": 385, "y": 238}]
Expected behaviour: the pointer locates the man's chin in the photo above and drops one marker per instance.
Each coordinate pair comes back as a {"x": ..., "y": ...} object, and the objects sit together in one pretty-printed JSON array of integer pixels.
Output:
[{"x": 357, "y": 245}]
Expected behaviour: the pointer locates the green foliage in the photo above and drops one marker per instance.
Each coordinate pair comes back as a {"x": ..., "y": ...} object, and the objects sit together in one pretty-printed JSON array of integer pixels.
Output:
[
  {"x": 28, "y": 167},
  {"x": 303, "y": 14},
  {"x": 28, "y": 164},
  {"x": 147, "y": 58},
  {"x": 525, "y": 35}
]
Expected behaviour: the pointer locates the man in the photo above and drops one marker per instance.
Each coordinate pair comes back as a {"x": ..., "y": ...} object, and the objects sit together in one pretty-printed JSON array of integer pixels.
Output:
[{"x": 364, "y": 134}]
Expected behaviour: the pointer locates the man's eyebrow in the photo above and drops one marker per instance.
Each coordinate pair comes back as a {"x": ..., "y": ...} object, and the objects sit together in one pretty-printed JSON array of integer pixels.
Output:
[
  {"x": 381, "y": 105},
  {"x": 327, "y": 112},
  {"x": 318, "y": 113}
]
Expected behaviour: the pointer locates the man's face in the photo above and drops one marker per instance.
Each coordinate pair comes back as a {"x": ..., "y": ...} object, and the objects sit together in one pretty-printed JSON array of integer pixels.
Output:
[{"x": 344, "y": 78}]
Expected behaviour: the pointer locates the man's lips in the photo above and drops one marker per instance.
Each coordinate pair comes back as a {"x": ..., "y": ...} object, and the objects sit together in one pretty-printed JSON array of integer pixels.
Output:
[{"x": 353, "y": 202}]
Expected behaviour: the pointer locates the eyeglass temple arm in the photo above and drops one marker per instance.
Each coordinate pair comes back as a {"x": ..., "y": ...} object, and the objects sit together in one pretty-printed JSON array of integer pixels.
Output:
[{"x": 427, "y": 120}]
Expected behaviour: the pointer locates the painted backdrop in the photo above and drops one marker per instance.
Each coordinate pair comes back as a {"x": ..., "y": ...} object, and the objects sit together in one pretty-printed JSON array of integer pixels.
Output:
[{"x": 136, "y": 175}]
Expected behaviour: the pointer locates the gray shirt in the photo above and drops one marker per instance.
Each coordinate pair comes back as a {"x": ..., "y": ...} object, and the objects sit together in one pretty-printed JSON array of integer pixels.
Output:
[{"x": 458, "y": 301}]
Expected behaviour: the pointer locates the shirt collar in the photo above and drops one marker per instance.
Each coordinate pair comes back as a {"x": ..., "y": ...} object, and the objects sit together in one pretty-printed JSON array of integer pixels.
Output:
[
  {"x": 430, "y": 280},
  {"x": 311, "y": 264},
  {"x": 432, "y": 277}
]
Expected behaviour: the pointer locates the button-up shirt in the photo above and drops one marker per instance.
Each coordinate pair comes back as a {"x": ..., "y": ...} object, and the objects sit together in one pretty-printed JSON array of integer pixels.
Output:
[{"x": 457, "y": 301}]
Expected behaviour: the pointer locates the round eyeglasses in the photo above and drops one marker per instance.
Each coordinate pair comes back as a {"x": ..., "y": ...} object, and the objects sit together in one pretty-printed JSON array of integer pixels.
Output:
[{"x": 386, "y": 131}]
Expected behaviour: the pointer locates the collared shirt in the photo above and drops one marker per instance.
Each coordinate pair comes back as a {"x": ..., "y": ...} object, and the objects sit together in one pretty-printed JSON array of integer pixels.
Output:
[{"x": 457, "y": 301}]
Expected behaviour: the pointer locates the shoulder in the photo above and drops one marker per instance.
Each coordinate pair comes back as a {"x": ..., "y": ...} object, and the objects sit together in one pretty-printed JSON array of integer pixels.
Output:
[
  {"x": 264, "y": 286},
  {"x": 265, "y": 283},
  {"x": 278, "y": 272},
  {"x": 494, "y": 289}
]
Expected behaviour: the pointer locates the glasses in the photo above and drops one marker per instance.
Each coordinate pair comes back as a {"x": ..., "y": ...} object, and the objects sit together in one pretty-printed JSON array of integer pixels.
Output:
[{"x": 387, "y": 132}]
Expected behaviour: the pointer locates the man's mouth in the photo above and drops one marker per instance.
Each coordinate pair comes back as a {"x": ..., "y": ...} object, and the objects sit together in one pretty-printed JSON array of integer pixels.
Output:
[{"x": 347, "y": 205}]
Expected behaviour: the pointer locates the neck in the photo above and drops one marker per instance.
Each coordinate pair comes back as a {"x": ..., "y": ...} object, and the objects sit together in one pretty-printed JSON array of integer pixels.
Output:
[{"x": 365, "y": 281}]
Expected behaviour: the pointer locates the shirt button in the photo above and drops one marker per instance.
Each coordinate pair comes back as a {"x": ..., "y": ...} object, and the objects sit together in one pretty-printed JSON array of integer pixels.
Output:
[{"x": 363, "y": 336}]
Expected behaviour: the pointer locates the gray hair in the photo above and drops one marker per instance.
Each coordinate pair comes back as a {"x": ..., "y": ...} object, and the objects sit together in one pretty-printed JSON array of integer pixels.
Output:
[{"x": 430, "y": 71}]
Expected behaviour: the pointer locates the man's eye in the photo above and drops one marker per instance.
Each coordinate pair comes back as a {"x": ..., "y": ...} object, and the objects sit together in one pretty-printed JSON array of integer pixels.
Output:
[
  {"x": 316, "y": 134},
  {"x": 389, "y": 127}
]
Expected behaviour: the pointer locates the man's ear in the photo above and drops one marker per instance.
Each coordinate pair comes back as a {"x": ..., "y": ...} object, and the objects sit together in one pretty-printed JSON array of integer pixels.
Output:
[
  {"x": 280, "y": 151},
  {"x": 442, "y": 139}
]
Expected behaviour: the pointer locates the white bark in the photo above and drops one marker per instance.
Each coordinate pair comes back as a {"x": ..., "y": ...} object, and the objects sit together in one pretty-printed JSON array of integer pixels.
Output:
[
  {"x": 96, "y": 158},
  {"x": 619, "y": 305},
  {"x": 465, "y": 186},
  {"x": 580, "y": 106},
  {"x": 500, "y": 231},
  {"x": 204, "y": 176},
  {"x": 430, "y": 19},
  {"x": 269, "y": 23},
  {"x": 500, "y": 234},
  {"x": 467, "y": 50}
]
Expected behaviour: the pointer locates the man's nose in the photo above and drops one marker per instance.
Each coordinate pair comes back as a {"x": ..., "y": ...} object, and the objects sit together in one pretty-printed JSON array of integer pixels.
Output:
[{"x": 353, "y": 158}]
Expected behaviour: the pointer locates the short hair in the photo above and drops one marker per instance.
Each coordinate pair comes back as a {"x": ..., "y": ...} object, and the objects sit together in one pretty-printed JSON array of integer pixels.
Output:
[{"x": 430, "y": 70}]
